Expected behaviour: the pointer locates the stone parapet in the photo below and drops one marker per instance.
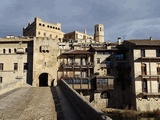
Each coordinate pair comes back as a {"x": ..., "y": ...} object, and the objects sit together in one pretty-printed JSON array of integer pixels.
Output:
[{"x": 83, "y": 107}]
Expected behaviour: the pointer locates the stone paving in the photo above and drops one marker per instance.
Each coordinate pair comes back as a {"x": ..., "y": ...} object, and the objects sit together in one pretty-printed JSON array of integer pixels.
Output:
[{"x": 30, "y": 103}]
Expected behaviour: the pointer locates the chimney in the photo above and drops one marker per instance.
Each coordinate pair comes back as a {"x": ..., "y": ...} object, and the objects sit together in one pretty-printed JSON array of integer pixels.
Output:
[
  {"x": 119, "y": 41},
  {"x": 151, "y": 38}
]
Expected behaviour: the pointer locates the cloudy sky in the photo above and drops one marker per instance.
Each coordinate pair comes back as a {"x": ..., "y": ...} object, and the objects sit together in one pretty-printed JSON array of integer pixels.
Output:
[{"x": 128, "y": 19}]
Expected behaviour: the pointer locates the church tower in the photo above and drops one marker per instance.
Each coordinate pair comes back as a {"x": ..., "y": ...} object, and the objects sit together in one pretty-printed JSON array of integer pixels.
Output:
[{"x": 99, "y": 33}]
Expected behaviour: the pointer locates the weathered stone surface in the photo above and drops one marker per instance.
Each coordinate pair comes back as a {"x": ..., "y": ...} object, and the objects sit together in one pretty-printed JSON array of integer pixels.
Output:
[{"x": 28, "y": 104}]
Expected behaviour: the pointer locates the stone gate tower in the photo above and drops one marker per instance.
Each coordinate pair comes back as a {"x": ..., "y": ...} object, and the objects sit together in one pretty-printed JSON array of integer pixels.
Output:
[{"x": 99, "y": 33}]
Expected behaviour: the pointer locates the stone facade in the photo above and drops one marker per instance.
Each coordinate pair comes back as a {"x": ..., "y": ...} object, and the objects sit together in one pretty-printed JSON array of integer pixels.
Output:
[
  {"x": 144, "y": 60},
  {"x": 40, "y": 28},
  {"x": 45, "y": 54}
]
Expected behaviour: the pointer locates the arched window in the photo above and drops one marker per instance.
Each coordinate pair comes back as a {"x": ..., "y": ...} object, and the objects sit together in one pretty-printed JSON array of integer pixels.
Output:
[
  {"x": 15, "y": 50},
  {"x": 4, "y": 51},
  {"x": 9, "y": 50}
]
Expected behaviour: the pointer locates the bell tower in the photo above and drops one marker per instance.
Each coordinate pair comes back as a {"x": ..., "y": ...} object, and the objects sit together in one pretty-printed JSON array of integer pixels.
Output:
[{"x": 99, "y": 33}]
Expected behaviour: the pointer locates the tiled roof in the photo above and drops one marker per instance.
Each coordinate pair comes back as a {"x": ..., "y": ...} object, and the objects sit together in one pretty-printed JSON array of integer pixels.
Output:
[{"x": 145, "y": 42}]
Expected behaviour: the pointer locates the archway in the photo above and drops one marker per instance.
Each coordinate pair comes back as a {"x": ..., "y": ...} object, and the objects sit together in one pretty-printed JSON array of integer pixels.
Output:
[
  {"x": 105, "y": 95},
  {"x": 43, "y": 79}
]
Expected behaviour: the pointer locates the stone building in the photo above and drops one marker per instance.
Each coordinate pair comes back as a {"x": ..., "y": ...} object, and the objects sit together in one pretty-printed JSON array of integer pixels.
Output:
[
  {"x": 39, "y": 28},
  {"x": 144, "y": 59},
  {"x": 28, "y": 61},
  {"x": 75, "y": 35},
  {"x": 16, "y": 56}
]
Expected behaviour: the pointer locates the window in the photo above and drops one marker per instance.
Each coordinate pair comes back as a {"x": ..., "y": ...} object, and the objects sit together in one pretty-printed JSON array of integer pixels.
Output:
[
  {"x": 15, "y": 50},
  {"x": 26, "y": 50},
  {"x": 144, "y": 69},
  {"x": 0, "y": 80},
  {"x": 51, "y": 35},
  {"x": 25, "y": 66},
  {"x": 44, "y": 34},
  {"x": 158, "y": 85},
  {"x": 142, "y": 53},
  {"x": 158, "y": 53},
  {"x": 120, "y": 56},
  {"x": 39, "y": 33},
  {"x": 9, "y": 50},
  {"x": 98, "y": 60},
  {"x": 4, "y": 51},
  {"x": 15, "y": 66},
  {"x": 144, "y": 85},
  {"x": 1, "y": 66},
  {"x": 158, "y": 70}
]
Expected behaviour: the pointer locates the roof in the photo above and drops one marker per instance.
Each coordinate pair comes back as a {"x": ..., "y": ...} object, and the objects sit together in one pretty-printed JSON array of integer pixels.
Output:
[
  {"x": 15, "y": 39},
  {"x": 144, "y": 42},
  {"x": 77, "y": 52},
  {"x": 113, "y": 48}
]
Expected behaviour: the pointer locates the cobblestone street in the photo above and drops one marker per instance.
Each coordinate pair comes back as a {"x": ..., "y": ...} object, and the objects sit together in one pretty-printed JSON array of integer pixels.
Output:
[{"x": 32, "y": 103}]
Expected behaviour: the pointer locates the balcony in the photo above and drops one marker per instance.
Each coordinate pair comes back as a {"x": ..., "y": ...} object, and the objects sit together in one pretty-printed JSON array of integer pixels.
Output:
[
  {"x": 78, "y": 83},
  {"x": 105, "y": 87},
  {"x": 78, "y": 65}
]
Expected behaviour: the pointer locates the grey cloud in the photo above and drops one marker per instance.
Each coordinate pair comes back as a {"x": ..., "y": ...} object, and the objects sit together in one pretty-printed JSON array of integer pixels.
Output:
[{"x": 124, "y": 18}]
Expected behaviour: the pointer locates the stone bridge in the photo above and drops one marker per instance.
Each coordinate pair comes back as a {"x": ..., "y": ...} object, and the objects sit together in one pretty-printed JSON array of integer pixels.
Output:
[{"x": 47, "y": 103}]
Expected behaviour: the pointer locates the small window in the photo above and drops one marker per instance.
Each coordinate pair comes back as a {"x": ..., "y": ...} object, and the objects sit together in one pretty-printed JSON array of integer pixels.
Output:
[
  {"x": 98, "y": 60},
  {"x": 158, "y": 85},
  {"x": 1, "y": 66},
  {"x": 39, "y": 24},
  {"x": 15, "y": 50},
  {"x": 142, "y": 52},
  {"x": 158, "y": 70},
  {"x": 48, "y": 26},
  {"x": 58, "y": 28},
  {"x": 26, "y": 50},
  {"x": 44, "y": 34},
  {"x": 0, "y": 80},
  {"x": 43, "y": 25},
  {"x": 15, "y": 66},
  {"x": 51, "y": 35},
  {"x": 4, "y": 51},
  {"x": 157, "y": 53},
  {"x": 25, "y": 66},
  {"x": 9, "y": 50},
  {"x": 39, "y": 33}
]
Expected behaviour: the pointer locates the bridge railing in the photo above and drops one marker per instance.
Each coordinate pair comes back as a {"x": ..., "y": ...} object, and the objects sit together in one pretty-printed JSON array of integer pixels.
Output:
[{"x": 83, "y": 107}]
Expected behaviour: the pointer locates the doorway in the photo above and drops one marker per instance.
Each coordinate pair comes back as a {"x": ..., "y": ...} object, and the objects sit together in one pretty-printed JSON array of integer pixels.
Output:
[{"x": 43, "y": 79}]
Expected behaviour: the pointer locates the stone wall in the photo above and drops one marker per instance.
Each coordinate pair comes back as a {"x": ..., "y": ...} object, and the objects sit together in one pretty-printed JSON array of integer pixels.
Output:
[{"x": 82, "y": 106}]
